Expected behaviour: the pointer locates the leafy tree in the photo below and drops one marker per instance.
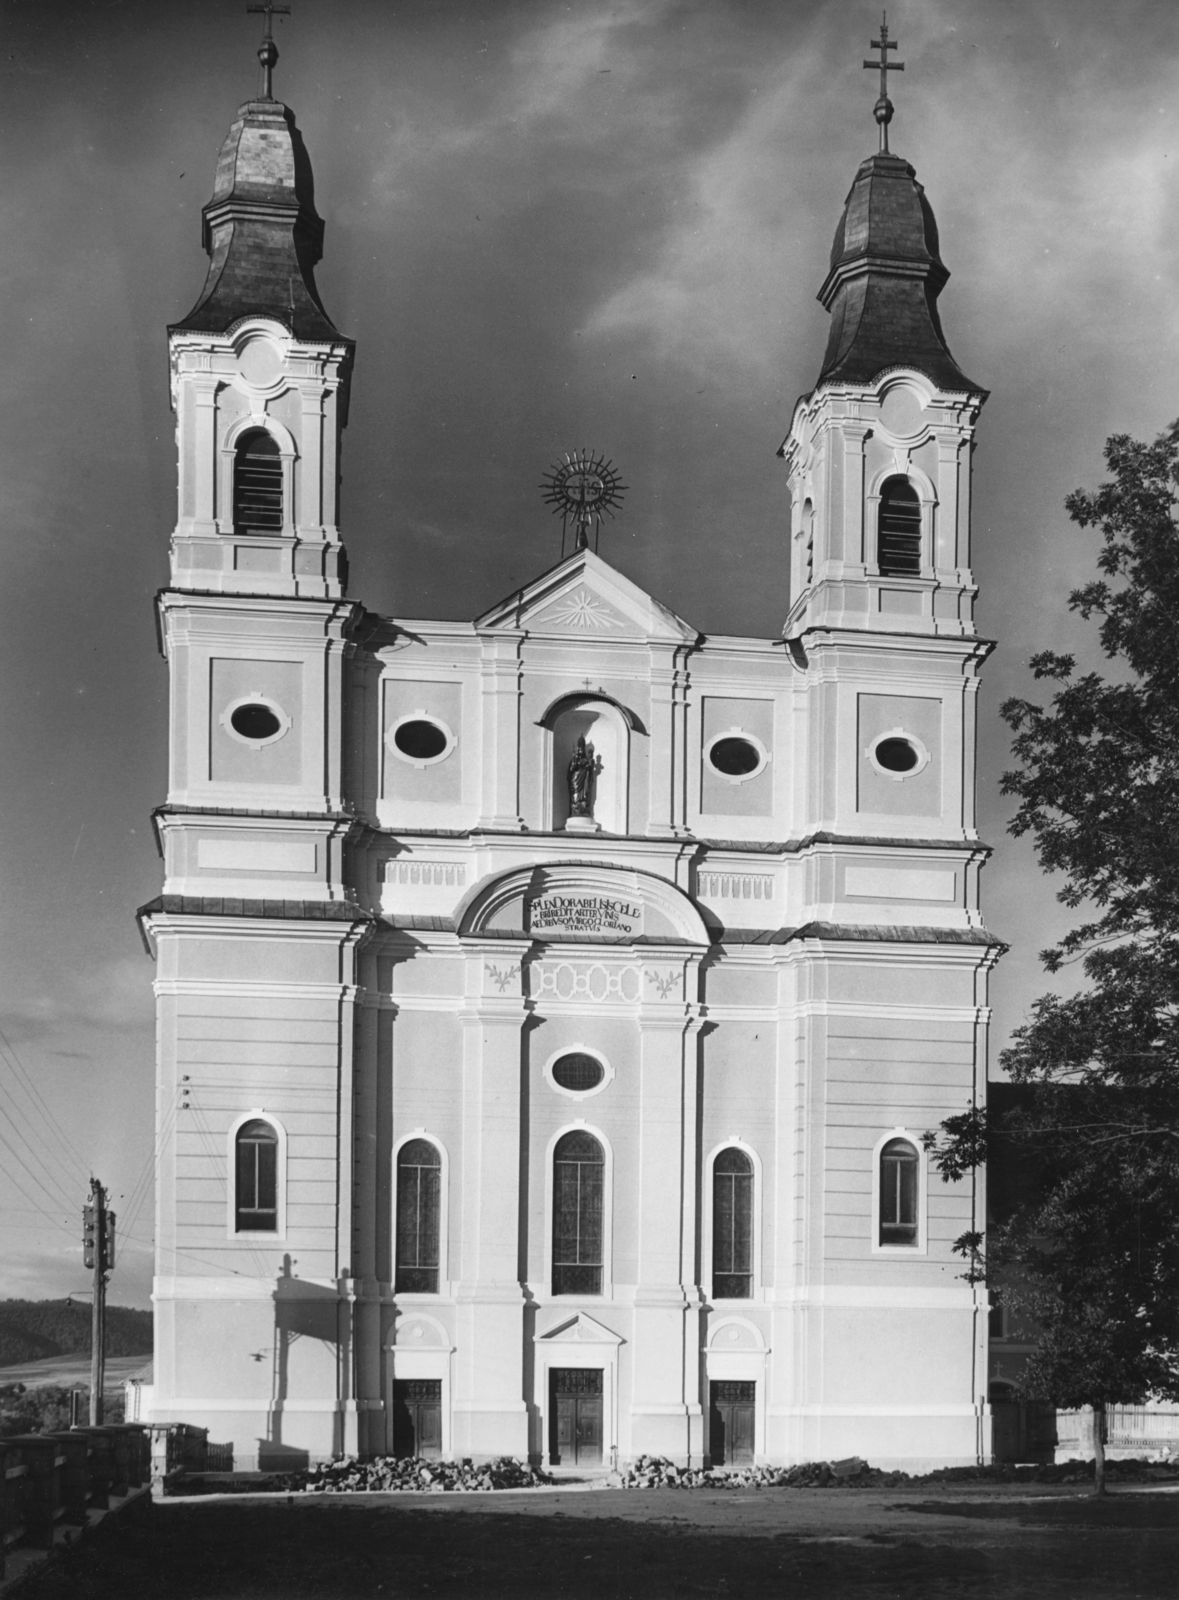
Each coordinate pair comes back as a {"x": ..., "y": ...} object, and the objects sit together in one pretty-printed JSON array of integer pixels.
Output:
[
  {"x": 1090, "y": 1256},
  {"x": 46, "y": 1408},
  {"x": 35, "y": 1330}
]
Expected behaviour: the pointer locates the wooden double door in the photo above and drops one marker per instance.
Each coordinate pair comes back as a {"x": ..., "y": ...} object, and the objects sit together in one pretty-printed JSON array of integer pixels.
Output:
[
  {"x": 417, "y": 1417},
  {"x": 575, "y": 1416},
  {"x": 730, "y": 1423}
]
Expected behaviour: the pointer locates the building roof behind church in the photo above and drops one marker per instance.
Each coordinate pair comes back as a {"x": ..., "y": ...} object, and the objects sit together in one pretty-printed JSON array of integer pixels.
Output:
[
  {"x": 261, "y": 230},
  {"x": 884, "y": 280}
]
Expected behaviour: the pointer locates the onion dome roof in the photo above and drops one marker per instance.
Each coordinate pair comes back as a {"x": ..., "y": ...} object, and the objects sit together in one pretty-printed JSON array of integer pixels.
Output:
[
  {"x": 885, "y": 277},
  {"x": 261, "y": 230}
]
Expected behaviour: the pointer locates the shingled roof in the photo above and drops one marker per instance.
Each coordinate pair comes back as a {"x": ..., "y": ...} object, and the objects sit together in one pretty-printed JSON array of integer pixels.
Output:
[
  {"x": 885, "y": 277},
  {"x": 261, "y": 231}
]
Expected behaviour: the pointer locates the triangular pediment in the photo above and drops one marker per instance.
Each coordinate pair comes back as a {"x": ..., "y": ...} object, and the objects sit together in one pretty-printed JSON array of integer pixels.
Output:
[
  {"x": 586, "y": 598},
  {"x": 579, "y": 1329}
]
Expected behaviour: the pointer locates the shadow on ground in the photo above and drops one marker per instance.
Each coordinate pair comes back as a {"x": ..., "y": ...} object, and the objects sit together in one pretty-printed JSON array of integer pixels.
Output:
[{"x": 648, "y": 1546}]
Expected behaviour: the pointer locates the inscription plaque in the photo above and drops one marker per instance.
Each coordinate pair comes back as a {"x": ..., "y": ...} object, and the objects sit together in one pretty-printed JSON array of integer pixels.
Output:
[{"x": 585, "y": 913}]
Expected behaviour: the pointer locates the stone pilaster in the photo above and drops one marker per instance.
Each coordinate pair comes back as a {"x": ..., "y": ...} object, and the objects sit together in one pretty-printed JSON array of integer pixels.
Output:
[
  {"x": 666, "y": 1414},
  {"x": 490, "y": 1415}
]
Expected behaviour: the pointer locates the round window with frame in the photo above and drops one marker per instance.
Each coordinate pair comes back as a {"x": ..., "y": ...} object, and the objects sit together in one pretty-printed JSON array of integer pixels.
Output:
[
  {"x": 735, "y": 755},
  {"x": 897, "y": 754},
  {"x": 420, "y": 739},
  {"x": 255, "y": 719},
  {"x": 578, "y": 1072}
]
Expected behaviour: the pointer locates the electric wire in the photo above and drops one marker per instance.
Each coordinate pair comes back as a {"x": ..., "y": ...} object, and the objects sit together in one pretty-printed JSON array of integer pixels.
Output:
[
  {"x": 143, "y": 1183},
  {"x": 56, "y": 1177},
  {"x": 15, "y": 1181},
  {"x": 55, "y": 1200},
  {"x": 35, "y": 1093}
]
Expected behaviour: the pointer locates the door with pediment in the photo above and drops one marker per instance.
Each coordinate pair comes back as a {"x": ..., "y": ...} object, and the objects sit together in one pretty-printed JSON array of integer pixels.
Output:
[
  {"x": 731, "y": 1423},
  {"x": 575, "y": 1416}
]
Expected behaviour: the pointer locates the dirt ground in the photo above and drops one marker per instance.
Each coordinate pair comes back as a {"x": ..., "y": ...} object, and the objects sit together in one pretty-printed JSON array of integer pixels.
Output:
[{"x": 656, "y": 1544}]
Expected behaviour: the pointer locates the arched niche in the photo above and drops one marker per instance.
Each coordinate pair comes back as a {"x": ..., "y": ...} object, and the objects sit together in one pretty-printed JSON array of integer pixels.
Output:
[{"x": 603, "y": 725}]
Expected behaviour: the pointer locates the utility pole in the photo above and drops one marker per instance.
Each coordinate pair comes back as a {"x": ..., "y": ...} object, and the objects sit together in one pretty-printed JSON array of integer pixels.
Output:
[{"x": 98, "y": 1252}]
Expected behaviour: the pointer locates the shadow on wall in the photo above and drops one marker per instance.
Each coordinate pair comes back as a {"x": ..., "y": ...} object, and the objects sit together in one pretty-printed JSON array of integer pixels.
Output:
[{"x": 302, "y": 1310}]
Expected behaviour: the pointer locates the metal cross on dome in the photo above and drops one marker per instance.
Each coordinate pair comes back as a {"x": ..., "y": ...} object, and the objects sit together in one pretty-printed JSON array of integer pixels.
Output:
[
  {"x": 883, "y": 108},
  {"x": 268, "y": 50}
]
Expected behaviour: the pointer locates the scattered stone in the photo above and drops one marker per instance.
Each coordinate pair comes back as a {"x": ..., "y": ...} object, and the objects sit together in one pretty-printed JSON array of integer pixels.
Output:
[
  {"x": 399, "y": 1474},
  {"x": 391, "y": 1474}
]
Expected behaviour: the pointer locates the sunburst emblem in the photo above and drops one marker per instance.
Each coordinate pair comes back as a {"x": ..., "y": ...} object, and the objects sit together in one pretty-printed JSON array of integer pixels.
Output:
[{"x": 582, "y": 488}]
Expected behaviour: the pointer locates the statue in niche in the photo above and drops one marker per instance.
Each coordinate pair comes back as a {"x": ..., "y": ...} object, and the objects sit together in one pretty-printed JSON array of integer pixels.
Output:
[{"x": 582, "y": 770}]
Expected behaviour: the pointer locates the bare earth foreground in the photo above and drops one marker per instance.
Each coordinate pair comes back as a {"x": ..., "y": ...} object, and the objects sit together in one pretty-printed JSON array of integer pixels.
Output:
[{"x": 867, "y": 1544}]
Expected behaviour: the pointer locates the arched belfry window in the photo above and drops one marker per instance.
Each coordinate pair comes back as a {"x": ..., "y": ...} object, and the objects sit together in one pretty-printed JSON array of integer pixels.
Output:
[
  {"x": 579, "y": 1172},
  {"x": 898, "y": 546},
  {"x": 900, "y": 1184},
  {"x": 257, "y": 484},
  {"x": 256, "y": 1178},
  {"x": 419, "y": 1212},
  {"x": 732, "y": 1226}
]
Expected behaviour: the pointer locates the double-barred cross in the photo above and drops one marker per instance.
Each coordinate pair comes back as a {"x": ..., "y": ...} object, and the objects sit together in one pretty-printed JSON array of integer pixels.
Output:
[
  {"x": 269, "y": 11},
  {"x": 884, "y": 66},
  {"x": 268, "y": 50}
]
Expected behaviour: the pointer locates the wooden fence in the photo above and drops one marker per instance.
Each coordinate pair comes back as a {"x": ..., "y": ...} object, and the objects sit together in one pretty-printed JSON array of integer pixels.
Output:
[{"x": 1129, "y": 1431}]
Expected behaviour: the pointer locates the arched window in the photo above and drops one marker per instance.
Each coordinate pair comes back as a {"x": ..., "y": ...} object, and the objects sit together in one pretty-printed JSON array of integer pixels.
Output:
[
  {"x": 579, "y": 1169},
  {"x": 256, "y": 1171},
  {"x": 419, "y": 1209},
  {"x": 898, "y": 547},
  {"x": 257, "y": 484},
  {"x": 899, "y": 1187},
  {"x": 732, "y": 1226}
]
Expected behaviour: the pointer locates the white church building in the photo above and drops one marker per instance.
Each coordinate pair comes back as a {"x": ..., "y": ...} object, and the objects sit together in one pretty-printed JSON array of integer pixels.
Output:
[{"x": 517, "y": 1097}]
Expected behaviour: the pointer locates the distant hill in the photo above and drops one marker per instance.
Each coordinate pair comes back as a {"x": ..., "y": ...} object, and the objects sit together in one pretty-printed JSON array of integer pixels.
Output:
[{"x": 31, "y": 1330}]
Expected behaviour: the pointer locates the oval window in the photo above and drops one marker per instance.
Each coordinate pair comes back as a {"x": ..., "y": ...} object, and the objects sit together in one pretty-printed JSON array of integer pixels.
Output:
[
  {"x": 578, "y": 1072},
  {"x": 734, "y": 756},
  {"x": 421, "y": 740},
  {"x": 896, "y": 755},
  {"x": 255, "y": 721}
]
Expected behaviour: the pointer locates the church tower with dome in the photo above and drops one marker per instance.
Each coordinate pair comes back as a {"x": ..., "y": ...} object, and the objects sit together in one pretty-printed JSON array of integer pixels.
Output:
[{"x": 551, "y": 1004}]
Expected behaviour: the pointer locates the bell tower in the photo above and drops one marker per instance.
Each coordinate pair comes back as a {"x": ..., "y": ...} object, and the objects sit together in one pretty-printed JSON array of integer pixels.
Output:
[
  {"x": 256, "y": 932},
  {"x": 881, "y": 637},
  {"x": 260, "y": 380},
  {"x": 879, "y": 457}
]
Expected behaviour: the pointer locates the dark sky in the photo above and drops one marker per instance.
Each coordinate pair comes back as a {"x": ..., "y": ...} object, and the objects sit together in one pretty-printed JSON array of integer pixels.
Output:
[{"x": 548, "y": 225}]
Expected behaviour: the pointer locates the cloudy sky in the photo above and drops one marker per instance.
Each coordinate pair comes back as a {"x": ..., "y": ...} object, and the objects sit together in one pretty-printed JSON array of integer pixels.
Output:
[{"x": 548, "y": 225}]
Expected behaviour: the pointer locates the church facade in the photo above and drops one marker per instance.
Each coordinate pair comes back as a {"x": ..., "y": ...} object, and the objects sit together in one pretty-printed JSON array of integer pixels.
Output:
[{"x": 551, "y": 1004}]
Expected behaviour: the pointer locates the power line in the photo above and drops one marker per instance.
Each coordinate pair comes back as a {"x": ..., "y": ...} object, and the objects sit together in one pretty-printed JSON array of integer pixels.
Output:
[
  {"x": 51, "y": 1197},
  {"x": 35, "y": 1093},
  {"x": 148, "y": 1171},
  {"x": 28, "y": 1138}
]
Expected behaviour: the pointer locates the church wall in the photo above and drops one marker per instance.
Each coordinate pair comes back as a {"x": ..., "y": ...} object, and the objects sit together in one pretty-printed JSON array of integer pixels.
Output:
[{"x": 800, "y": 966}]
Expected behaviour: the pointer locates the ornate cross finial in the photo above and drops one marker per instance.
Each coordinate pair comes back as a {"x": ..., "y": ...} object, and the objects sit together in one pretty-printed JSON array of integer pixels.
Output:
[
  {"x": 268, "y": 50},
  {"x": 883, "y": 108}
]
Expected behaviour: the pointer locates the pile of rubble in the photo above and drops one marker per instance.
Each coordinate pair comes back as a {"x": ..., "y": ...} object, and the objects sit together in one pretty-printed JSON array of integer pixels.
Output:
[
  {"x": 656, "y": 1472},
  {"x": 412, "y": 1473}
]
